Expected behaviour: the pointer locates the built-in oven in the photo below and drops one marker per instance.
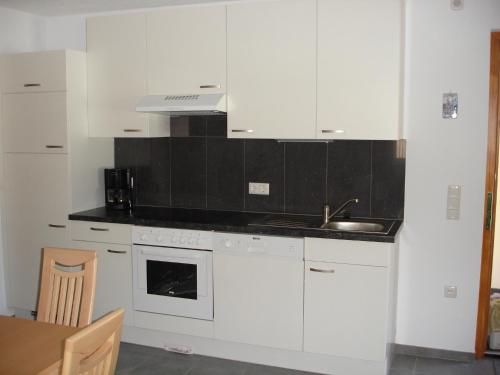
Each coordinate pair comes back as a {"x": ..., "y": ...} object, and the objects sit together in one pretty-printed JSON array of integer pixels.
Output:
[{"x": 172, "y": 272}]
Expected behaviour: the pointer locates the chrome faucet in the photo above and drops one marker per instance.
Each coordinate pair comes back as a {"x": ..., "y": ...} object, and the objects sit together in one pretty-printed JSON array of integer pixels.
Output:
[{"x": 326, "y": 210}]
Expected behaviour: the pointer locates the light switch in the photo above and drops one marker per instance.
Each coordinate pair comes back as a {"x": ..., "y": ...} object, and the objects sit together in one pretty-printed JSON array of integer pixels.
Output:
[
  {"x": 450, "y": 291},
  {"x": 453, "y": 202},
  {"x": 256, "y": 188}
]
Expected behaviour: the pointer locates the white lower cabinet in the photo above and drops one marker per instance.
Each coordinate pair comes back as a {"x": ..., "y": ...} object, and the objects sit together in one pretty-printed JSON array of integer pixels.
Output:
[{"x": 114, "y": 278}]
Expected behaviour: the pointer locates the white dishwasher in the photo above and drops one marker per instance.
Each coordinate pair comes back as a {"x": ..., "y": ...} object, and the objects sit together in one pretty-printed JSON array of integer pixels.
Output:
[{"x": 258, "y": 289}]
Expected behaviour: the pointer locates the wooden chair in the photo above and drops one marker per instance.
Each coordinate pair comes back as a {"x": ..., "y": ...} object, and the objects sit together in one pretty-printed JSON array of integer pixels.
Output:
[
  {"x": 94, "y": 349},
  {"x": 67, "y": 297}
]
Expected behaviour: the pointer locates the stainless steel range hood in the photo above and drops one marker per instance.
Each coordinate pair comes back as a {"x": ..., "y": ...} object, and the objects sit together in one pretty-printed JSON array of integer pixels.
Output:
[{"x": 201, "y": 104}]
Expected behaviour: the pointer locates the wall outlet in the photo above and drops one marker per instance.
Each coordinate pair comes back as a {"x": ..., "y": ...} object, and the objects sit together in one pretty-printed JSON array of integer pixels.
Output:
[
  {"x": 257, "y": 188},
  {"x": 450, "y": 291},
  {"x": 453, "y": 202}
]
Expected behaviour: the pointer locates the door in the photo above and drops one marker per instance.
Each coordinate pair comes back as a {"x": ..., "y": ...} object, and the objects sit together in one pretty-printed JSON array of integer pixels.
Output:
[
  {"x": 271, "y": 69},
  {"x": 345, "y": 310},
  {"x": 187, "y": 50},
  {"x": 116, "y": 64},
  {"x": 359, "y": 69},
  {"x": 35, "y": 122},
  {"x": 36, "y": 202}
]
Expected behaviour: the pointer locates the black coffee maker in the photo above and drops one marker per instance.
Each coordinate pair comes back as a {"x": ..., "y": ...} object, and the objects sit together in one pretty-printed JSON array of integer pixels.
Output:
[{"x": 119, "y": 186}]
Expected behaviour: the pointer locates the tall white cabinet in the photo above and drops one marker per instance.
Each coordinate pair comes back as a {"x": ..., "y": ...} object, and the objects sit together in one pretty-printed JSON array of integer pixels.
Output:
[{"x": 51, "y": 167}]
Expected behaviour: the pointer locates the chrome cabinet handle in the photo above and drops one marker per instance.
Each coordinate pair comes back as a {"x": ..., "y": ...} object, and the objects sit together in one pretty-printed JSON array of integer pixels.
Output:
[
  {"x": 117, "y": 251},
  {"x": 320, "y": 270},
  {"x": 241, "y": 130},
  {"x": 56, "y": 226},
  {"x": 54, "y": 146},
  {"x": 32, "y": 85},
  {"x": 210, "y": 87},
  {"x": 99, "y": 229},
  {"x": 132, "y": 130},
  {"x": 329, "y": 131}
]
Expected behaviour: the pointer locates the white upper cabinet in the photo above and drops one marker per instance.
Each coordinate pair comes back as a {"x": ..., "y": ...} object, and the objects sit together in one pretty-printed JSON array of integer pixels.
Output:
[
  {"x": 116, "y": 63},
  {"x": 271, "y": 62},
  {"x": 359, "y": 69},
  {"x": 187, "y": 50},
  {"x": 28, "y": 72}
]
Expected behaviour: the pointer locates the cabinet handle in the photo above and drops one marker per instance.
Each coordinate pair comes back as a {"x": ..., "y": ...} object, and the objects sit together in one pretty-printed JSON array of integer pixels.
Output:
[
  {"x": 336, "y": 131},
  {"x": 54, "y": 146},
  {"x": 99, "y": 229},
  {"x": 132, "y": 130},
  {"x": 56, "y": 226},
  {"x": 117, "y": 251},
  {"x": 32, "y": 85},
  {"x": 210, "y": 87},
  {"x": 241, "y": 130},
  {"x": 320, "y": 270}
]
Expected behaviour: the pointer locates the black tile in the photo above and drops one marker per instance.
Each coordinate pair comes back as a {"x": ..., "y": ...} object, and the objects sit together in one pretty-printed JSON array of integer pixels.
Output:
[
  {"x": 264, "y": 162},
  {"x": 217, "y": 126},
  {"x": 125, "y": 151},
  {"x": 388, "y": 180},
  {"x": 225, "y": 186},
  {"x": 305, "y": 177},
  {"x": 188, "y": 126},
  {"x": 153, "y": 173},
  {"x": 188, "y": 172},
  {"x": 349, "y": 174}
]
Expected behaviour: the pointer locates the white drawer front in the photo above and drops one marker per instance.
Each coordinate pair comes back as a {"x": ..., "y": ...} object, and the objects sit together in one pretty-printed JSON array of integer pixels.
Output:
[
  {"x": 349, "y": 252},
  {"x": 101, "y": 232}
]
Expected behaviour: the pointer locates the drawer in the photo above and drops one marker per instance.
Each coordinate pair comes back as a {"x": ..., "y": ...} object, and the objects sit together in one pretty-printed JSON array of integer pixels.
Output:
[
  {"x": 101, "y": 232},
  {"x": 348, "y": 252},
  {"x": 34, "y": 72}
]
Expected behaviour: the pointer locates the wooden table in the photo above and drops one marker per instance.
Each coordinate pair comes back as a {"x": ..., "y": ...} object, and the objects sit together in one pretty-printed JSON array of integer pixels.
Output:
[{"x": 28, "y": 347}]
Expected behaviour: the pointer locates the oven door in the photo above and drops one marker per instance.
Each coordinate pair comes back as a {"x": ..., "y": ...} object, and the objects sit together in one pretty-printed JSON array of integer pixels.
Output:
[{"x": 173, "y": 281}]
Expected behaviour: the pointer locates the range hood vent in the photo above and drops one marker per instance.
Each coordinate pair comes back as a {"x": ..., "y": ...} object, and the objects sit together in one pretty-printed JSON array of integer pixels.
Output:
[{"x": 202, "y": 104}]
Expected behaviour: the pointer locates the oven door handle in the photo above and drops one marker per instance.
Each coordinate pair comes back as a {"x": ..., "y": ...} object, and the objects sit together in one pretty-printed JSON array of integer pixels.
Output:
[{"x": 160, "y": 253}]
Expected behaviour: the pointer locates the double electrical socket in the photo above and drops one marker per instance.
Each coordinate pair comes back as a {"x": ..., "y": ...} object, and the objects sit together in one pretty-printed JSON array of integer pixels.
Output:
[{"x": 257, "y": 188}]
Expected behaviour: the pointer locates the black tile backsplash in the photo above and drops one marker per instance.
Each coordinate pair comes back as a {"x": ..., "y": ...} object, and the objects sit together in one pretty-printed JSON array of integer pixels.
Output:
[{"x": 198, "y": 167}]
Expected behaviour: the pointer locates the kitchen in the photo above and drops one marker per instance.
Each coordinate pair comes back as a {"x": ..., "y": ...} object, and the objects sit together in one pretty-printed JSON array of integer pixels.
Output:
[{"x": 239, "y": 174}]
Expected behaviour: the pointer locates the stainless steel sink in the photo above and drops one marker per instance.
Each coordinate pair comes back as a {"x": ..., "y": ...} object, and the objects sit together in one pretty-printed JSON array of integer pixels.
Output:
[{"x": 354, "y": 226}]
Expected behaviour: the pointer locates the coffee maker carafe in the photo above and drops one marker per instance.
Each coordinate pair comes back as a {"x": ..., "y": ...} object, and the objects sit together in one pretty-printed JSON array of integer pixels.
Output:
[{"x": 119, "y": 185}]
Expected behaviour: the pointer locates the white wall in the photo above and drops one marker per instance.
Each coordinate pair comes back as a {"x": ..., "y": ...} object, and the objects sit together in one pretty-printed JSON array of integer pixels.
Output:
[
  {"x": 66, "y": 33},
  {"x": 446, "y": 51},
  {"x": 19, "y": 32}
]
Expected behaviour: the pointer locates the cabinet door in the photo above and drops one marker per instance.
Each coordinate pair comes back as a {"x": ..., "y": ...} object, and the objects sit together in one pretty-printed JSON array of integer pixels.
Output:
[
  {"x": 359, "y": 69},
  {"x": 258, "y": 300},
  {"x": 187, "y": 50},
  {"x": 272, "y": 69},
  {"x": 35, "y": 122},
  {"x": 345, "y": 310},
  {"x": 36, "y": 203},
  {"x": 114, "y": 278},
  {"x": 116, "y": 64},
  {"x": 34, "y": 72}
]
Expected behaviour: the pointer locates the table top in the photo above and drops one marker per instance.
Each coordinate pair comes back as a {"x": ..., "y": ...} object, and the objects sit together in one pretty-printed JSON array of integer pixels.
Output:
[{"x": 28, "y": 347}]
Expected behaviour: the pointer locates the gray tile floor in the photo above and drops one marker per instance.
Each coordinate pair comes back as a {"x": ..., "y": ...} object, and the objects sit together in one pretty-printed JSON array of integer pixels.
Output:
[{"x": 136, "y": 359}]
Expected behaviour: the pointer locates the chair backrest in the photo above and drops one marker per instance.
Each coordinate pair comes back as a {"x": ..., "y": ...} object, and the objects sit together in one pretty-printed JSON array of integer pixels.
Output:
[
  {"x": 94, "y": 349},
  {"x": 67, "y": 287}
]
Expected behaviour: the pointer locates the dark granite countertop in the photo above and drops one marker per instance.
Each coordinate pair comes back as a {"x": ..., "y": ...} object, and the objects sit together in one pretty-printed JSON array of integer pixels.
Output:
[{"x": 227, "y": 221}]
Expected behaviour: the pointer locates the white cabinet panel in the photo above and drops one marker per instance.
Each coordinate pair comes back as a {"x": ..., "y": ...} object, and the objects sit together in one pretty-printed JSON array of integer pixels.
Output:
[
  {"x": 114, "y": 278},
  {"x": 345, "y": 310},
  {"x": 359, "y": 69},
  {"x": 187, "y": 50},
  {"x": 35, "y": 122},
  {"x": 116, "y": 62},
  {"x": 36, "y": 205},
  {"x": 246, "y": 311},
  {"x": 101, "y": 232},
  {"x": 28, "y": 72},
  {"x": 272, "y": 69}
]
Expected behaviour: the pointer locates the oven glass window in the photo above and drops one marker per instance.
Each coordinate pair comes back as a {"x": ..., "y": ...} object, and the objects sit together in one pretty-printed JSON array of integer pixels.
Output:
[{"x": 171, "y": 279}]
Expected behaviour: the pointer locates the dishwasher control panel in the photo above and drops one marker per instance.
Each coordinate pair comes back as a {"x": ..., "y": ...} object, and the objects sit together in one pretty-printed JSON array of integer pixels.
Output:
[{"x": 259, "y": 245}]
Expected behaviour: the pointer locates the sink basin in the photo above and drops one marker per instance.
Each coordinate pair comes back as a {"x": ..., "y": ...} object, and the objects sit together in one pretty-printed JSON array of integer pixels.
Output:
[{"x": 354, "y": 226}]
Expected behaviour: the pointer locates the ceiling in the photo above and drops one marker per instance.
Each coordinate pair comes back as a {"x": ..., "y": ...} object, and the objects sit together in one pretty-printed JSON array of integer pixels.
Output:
[{"x": 51, "y": 8}]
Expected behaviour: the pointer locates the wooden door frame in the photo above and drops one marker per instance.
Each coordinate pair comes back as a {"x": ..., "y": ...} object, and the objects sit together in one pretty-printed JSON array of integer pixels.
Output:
[{"x": 491, "y": 187}]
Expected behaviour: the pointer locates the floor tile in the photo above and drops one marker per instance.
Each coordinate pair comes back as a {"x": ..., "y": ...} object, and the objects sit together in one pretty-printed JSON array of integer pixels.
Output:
[
  {"x": 216, "y": 366},
  {"x": 400, "y": 372},
  {"x": 431, "y": 366},
  {"x": 403, "y": 362},
  {"x": 253, "y": 369}
]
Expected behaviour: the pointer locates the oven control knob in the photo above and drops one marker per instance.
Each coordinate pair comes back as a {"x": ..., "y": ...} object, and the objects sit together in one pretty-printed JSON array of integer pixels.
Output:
[
  {"x": 228, "y": 243},
  {"x": 144, "y": 237}
]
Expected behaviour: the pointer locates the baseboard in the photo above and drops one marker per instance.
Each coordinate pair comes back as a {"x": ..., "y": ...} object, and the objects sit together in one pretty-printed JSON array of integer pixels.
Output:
[{"x": 419, "y": 351}]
